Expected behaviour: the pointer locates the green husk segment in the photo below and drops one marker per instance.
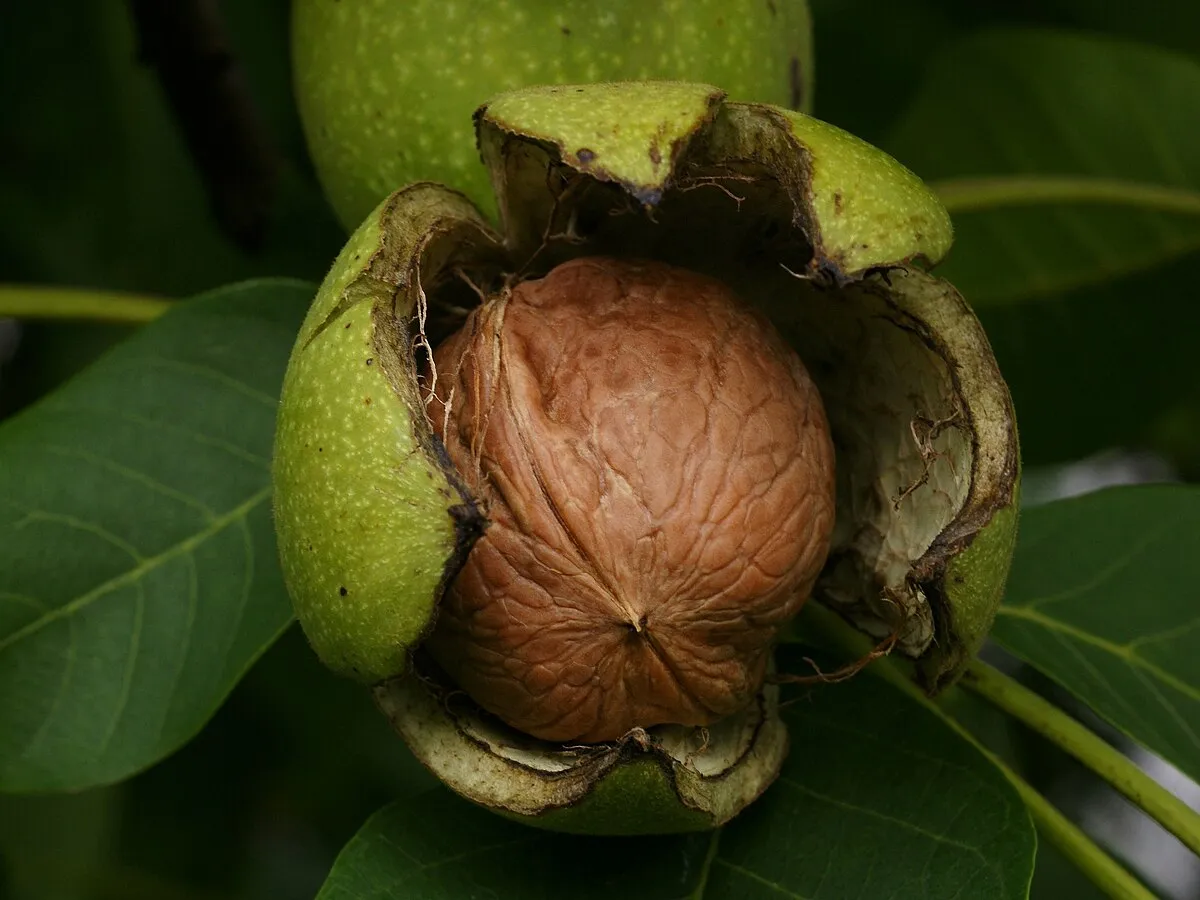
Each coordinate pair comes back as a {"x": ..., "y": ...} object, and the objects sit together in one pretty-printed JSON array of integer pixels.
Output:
[
  {"x": 630, "y": 133},
  {"x": 859, "y": 207},
  {"x": 634, "y": 798},
  {"x": 646, "y": 783},
  {"x": 367, "y": 516},
  {"x": 866, "y": 207},
  {"x": 974, "y": 587},
  {"x": 966, "y": 566},
  {"x": 963, "y": 571},
  {"x": 386, "y": 89}
]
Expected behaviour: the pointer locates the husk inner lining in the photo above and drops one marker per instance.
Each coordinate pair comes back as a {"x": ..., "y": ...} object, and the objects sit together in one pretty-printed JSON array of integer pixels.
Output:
[{"x": 904, "y": 448}]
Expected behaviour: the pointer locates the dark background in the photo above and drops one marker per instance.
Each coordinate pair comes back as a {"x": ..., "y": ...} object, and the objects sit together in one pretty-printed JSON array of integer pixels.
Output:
[{"x": 102, "y": 186}]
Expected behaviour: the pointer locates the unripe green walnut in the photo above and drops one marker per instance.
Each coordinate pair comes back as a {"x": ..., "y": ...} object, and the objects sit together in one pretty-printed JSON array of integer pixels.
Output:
[
  {"x": 821, "y": 233},
  {"x": 386, "y": 88}
]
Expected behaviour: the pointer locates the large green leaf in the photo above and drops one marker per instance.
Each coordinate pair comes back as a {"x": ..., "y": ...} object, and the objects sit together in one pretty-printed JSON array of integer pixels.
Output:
[
  {"x": 1102, "y": 598},
  {"x": 138, "y": 577},
  {"x": 879, "y": 798},
  {"x": 1092, "y": 139}
]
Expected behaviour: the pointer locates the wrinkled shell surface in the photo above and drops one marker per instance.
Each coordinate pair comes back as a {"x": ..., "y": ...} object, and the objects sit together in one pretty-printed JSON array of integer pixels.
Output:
[{"x": 658, "y": 473}]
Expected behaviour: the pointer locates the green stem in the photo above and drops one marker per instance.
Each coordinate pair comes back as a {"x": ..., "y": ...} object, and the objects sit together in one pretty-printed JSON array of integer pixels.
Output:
[
  {"x": 38, "y": 302},
  {"x": 970, "y": 194},
  {"x": 1100, "y": 868},
  {"x": 1110, "y": 764}
]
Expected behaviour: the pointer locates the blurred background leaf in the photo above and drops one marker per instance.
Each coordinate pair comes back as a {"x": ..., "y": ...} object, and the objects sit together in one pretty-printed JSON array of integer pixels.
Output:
[
  {"x": 98, "y": 189},
  {"x": 1110, "y": 365},
  {"x": 286, "y": 772},
  {"x": 1113, "y": 114},
  {"x": 1175, "y": 25},
  {"x": 1052, "y": 280},
  {"x": 256, "y": 806},
  {"x": 53, "y": 848}
]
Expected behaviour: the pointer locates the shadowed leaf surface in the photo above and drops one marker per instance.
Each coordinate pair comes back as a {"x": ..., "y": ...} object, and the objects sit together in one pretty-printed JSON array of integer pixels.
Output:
[
  {"x": 138, "y": 577},
  {"x": 878, "y": 798},
  {"x": 1082, "y": 384},
  {"x": 108, "y": 195},
  {"x": 1113, "y": 119}
]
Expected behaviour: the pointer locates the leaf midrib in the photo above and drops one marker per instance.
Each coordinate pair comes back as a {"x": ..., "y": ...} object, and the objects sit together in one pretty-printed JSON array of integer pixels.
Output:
[
  {"x": 1120, "y": 651},
  {"x": 146, "y": 565}
]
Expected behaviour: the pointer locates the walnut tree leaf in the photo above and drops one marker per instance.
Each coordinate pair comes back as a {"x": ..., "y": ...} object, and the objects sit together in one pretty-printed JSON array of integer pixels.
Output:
[
  {"x": 1102, "y": 598},
  {"x": 1065, "y": 159},
  {"x": 138, "y": 577}
]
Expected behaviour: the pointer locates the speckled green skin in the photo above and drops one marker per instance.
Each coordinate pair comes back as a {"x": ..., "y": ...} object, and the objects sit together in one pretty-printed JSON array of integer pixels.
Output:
[
  {"x": 386, "y": 87},
  {"x": 363, "y": 507},
  {"x": 868, "y": 207},
  {"x": 974, "y": 586},
  {"x": 624, "y": 132},
  {"x": 864, "y": 209}
]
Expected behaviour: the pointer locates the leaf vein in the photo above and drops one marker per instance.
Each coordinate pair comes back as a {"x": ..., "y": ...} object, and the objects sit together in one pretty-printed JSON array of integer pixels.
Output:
[
  {"x": 108, "y": 413},
  {"x": 152, "y": 484},
  {"x": 135, "y": 639},
  {"x": 755, "y": 877},
  {"x": 207, "y": 372},
  {"x": 1118, "y": 650},
  {"x": 710, "y": 854},
  {"x": 72, "y": 522},
  {"x": 143, "y": 567},
  {"x": 883, "y": 817},
  {"x": 24, "y": 600},
  {"x": 1119, "y": 562},
  {"x": 35, "y": 739}
]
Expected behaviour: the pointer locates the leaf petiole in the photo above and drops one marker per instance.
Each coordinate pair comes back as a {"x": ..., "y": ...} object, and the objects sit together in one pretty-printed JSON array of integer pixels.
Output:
[
  {"x": 1088, "y": 856},
  {"x": 1099, "y": 867},
  {"x": 40, "y": 302},
  {"x": 1109, "y": 763},
  {"x": 960, "y": 195}
]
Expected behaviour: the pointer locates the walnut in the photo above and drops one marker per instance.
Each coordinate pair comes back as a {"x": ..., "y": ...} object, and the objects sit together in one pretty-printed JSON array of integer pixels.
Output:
[
  {"x": 658, "y": 474},
  {"x": 653, "y": 461}
]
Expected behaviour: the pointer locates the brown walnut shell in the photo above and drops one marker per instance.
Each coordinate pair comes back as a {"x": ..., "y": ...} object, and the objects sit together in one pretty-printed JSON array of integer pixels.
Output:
[{"x": 658, "y": 474}]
